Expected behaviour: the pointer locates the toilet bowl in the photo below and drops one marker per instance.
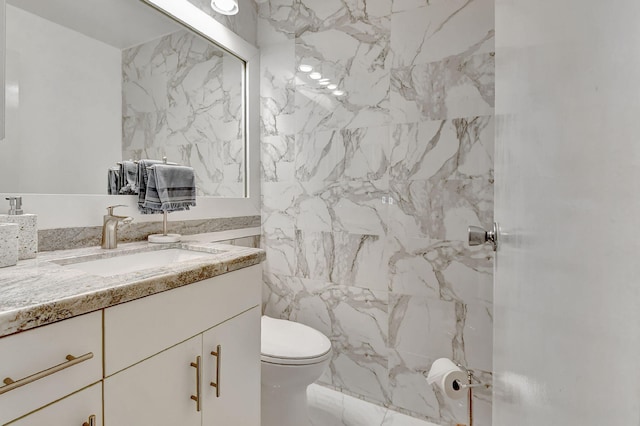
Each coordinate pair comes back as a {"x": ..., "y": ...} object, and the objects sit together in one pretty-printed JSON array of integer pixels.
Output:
[{"x": 293, "y": 356}]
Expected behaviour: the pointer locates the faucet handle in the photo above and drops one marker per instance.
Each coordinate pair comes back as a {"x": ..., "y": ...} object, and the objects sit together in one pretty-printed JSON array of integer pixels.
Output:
[{"x": 110, "y": 208}]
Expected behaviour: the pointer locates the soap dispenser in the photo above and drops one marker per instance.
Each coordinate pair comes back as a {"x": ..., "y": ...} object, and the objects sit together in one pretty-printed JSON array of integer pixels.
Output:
[
  {"x": 27, "y": 228},
  {"x": 8, "y": 244}
]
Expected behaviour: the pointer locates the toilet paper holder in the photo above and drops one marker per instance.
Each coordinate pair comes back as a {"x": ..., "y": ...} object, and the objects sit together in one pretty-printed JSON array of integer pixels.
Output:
[{"x": 472, "y": 382}]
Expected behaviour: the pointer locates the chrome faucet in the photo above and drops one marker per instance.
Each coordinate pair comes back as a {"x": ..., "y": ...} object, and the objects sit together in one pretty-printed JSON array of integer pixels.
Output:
[{"x": 110, "y": 227}]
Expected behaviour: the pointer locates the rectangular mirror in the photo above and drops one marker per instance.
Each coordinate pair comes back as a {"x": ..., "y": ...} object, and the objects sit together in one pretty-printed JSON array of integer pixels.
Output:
[{"x": 94, "y": 82}]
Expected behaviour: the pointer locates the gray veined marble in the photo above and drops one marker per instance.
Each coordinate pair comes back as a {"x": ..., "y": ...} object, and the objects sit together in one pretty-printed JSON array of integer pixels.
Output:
[
  {"x": 423, "y": 330},
  {"x": 343, "y": 155},
  {"x": 70, "y": 238},
  {"x": 282, "y": 19},
  {"x": 344, "y": 176},
  {"x": 277, "y": 158},
  {"x": 442, "y": 177},
  {"x": 182, "y": 98},
  {"x": 66, "y": 292},
  {"x": 350, "y": 46},
  {"x": 342, "y": 258},
  {"x": 373, "y": 198},
  {"x": 443, "y": 67},
  {"x": 459, "y": 86},
  {"x": 441, "y": 210},
  {"x": 439, "y": 29},
  {"x": 446, "y": 270},
  {"x": 277, "y": 88},
  {"x": 355, "y": 207},
  {"x": 461, "y": 148},
  {"x": 358, "y": 64}
]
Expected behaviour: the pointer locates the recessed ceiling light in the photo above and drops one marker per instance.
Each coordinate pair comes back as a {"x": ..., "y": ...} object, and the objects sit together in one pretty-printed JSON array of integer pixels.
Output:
[
  {"x": 305, "y": 68},
  {"x": 226, "y": 7},
  {"x": 323, "y": 83},
  {"x": 338, "y": 92},
  {"x": 332, "y": 86},
  {"x": 315, "y": 76}
]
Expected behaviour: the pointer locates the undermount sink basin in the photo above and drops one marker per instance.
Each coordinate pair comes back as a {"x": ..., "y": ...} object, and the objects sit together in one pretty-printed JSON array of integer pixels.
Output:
[{"x": 127, "y": 263}]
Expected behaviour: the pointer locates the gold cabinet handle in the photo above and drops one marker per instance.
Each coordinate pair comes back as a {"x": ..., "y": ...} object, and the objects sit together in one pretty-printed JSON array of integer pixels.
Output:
[
  {"x": 196, "y": 397},
  {"x": 218, "y": 354},
  {"x": 91, "y": 422},
  {"x": 10, "y": 384}
]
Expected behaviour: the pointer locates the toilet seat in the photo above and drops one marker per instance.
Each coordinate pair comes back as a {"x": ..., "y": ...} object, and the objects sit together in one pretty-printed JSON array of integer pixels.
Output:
[{"x": 289, "y": 343}]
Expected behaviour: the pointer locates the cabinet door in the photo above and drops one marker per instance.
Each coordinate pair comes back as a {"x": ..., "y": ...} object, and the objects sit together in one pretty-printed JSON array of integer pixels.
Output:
[
  {"x": 156, "y": 391},
  {"x": 74, "y": 410},
  {"x": 236, "y": 370}
]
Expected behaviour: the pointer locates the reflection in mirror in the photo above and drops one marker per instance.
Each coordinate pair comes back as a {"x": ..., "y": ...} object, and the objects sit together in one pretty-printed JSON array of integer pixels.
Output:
[{"x": 91, "y": 83}]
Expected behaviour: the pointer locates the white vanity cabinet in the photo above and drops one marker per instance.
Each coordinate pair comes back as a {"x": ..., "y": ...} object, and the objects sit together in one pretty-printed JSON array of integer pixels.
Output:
[
  {"x": 156, "y": 391},
  {"x": 83, "y": 408},
  {"x": 150, "y": 361},
  {"x": 174, "y": 386},
  {"x": 158, "y": 362},
  {"x": 234, "y": 369},
  {"x": 50, "y": 363}
]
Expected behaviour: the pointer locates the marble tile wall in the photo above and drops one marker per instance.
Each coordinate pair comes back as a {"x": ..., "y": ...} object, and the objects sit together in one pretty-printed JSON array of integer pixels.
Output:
[
  {"x": 182, "y": 98},
  {"x": 367, "y": 196}
]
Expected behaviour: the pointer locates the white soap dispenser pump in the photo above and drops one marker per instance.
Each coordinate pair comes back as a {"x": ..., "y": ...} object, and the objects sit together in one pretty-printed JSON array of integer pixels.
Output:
[{"x": 15, "y": 206}]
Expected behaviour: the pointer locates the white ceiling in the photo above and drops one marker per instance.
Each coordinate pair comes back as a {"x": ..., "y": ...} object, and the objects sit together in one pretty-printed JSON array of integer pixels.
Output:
[{"x": 119, "y": 23}]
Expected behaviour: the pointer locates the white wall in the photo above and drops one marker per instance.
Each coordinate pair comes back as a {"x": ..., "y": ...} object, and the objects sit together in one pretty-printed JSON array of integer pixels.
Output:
[
  {"x": 566, "y": 339},
  {"x": 69, "y": 108}
]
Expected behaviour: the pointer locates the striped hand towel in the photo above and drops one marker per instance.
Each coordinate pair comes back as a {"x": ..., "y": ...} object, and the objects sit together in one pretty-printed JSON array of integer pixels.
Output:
[{"x": 169, "y": 188}]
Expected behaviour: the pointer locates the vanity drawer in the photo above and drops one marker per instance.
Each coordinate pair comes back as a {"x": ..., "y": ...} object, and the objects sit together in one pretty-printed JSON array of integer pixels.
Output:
[
  {"x": 139, "y": 329},
  {"x": 39, "y": 357},
  {"x": 73, "y": 410}
]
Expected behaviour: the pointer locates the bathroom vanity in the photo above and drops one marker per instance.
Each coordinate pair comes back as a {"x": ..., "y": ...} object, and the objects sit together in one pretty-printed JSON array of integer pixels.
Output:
[
  {"x": 84, "y": 343},
  {"x": 133, "y": 335}
]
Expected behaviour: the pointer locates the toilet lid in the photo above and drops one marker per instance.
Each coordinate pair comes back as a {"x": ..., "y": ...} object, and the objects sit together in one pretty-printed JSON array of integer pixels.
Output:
[{"x": 290, "y": 340}]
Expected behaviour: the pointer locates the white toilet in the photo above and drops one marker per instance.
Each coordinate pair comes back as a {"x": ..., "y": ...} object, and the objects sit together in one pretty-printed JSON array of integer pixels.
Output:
[{"x": 293, "y": 356}]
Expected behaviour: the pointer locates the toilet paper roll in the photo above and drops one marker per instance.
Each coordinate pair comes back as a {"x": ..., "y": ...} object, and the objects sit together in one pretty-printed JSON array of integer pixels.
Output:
[
  {"x": 444, "y": 373},
  {"x": 451, "y": 384}
]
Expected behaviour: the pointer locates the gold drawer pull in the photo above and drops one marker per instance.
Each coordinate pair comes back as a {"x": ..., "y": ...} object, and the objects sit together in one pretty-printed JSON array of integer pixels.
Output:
[
  {"x": 196, "y": 397},
  {"x": 91, "y": 422},
  {"x": 218, "y": 354},
  {"x": 71, "y": 361}
]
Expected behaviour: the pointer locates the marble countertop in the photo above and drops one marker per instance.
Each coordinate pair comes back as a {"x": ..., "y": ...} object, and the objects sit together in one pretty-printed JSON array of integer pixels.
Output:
[{"x": 43, "y": 290}]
